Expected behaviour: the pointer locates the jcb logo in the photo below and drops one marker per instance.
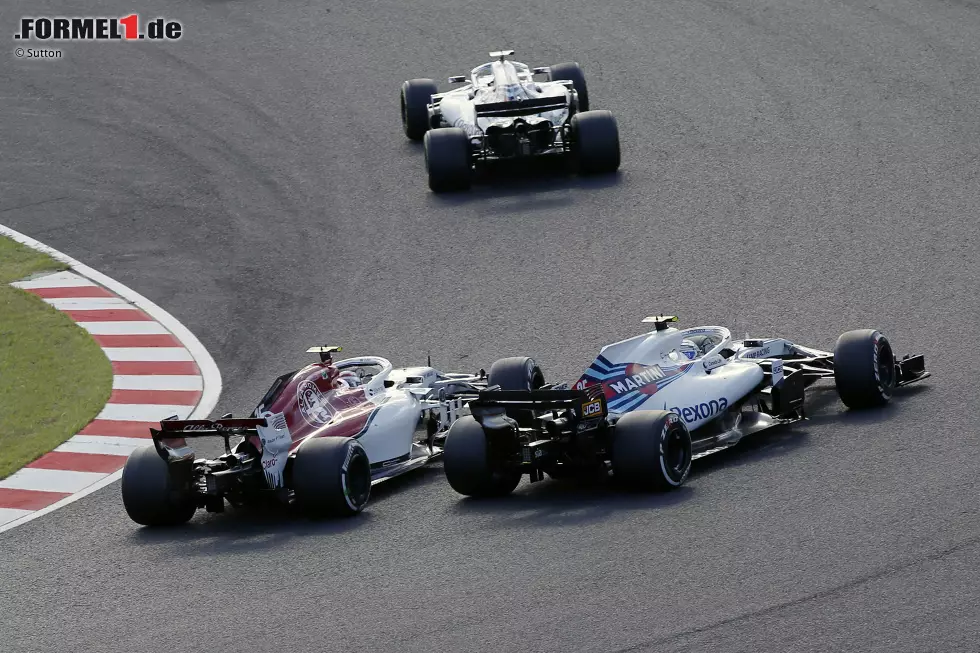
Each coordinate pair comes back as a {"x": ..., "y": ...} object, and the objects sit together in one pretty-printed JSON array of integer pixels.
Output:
[{"x": 592, "y": 409}]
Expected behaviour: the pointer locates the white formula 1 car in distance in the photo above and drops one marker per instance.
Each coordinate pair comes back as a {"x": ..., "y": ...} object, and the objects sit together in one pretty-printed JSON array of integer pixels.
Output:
[
  {"x": 501, "y": 113},
  {"x": 649, "y": 405},
  {"x": 320, "y": 437}
]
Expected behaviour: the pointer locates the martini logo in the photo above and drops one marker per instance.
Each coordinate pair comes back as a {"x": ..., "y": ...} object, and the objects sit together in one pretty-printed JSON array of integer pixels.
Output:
[
  {"x": 637, "y": 377},
  {"x": 312, "y": 404}
]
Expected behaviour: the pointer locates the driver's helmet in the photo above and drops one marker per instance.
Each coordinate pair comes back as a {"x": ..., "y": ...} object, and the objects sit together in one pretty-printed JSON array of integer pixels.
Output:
[
  {"x": 689, "y": 349},
  {"x": 349, "y": 379},
  {"x": 513, "y": 92}
]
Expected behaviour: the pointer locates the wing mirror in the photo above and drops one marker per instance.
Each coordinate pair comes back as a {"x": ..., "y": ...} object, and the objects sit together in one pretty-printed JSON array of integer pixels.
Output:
[
  {"x": 457, "y": 79},
  {"x": 541, "y": 70},
  {"x": 713, "y": 361}
]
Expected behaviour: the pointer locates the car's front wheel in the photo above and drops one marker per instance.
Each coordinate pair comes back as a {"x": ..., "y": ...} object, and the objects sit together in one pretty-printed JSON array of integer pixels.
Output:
[
  {"x": 572, "y": 72},
  {"x": 516, "y": 373},
  {"x": 864, "y": 368},
  {"x": 331, "y": 477},
  {"x": 415, "y": 98},
  {"x": 651, "y": 450}
]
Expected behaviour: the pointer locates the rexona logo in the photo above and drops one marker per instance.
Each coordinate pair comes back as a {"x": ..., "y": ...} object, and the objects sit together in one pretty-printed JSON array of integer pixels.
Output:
[{"x": 701, "y": 411}]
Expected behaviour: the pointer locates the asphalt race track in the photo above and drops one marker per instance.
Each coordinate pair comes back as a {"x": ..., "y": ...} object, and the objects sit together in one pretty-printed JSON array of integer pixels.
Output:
[{"x": 796, "y": 168}]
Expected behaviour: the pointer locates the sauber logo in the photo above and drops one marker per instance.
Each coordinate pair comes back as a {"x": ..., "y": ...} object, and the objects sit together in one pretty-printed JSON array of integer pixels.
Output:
[
  {"x": 312, "y": 405},
  {"x": 63, "y": 28}
]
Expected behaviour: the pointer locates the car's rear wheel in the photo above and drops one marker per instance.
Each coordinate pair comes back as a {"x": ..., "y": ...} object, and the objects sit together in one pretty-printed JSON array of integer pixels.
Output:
[
  {"x": 448, "y": 159},
  {"x": 651, "y": 450},
  {"x": 150, "y": 493},
  {"x": 468, "y": 464},
  {"x": 864, "y": 368},
  {"x": 415, "y": 98},
  {"x": 573, "y": 72},
  {"x": 595, "y": 138},
  {"x": 331, "y": 477}
]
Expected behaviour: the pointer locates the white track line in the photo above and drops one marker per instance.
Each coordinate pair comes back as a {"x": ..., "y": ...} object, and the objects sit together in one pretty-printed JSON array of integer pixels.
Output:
[
  {"x": 113, "y": 449},
  {"x": 50, "y": 480},
  {"x": 107, "y": 441},
  {"x": 9, "y": 515},
  {"x": 147, "y": 354},
  {"x": 87, "y": 303},
  {"x": 157, "y": 382},
  {"x": 209, "y": 369},
  {"x": 56, "y": 280},
  {"x": 143, "y": 412},
  {"x": 132, "y": 328}
]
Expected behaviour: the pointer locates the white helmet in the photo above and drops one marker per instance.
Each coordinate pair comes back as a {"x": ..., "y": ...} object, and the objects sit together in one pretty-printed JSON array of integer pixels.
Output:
[
  {"x": 689, "y": 349},
  {"x": 349, "y": 379}
]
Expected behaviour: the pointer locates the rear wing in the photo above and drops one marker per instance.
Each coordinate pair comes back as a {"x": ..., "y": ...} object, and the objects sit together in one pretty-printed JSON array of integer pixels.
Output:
[
  {"x": 585, "y": 404},
  {"x": 172, "y": 433},
  {"x": 520, "y": 107}
]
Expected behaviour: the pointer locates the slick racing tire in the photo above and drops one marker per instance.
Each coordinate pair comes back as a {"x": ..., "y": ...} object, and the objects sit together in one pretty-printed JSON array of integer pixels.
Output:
[
  {"x": 331, "y": 477},
  {"x": 416, "y": 96},
  {"x": 595, "y": 138},
  {"x": 651, "y": 450},
  {"x": 150, "y": 494},
  {"x": 467, "y": 462},
  {"x": 516, "y": 373},
  {"x": 572, "y": 72},
  {"x": 447, "y": 159},
  {"x": 864, "y": 369}
]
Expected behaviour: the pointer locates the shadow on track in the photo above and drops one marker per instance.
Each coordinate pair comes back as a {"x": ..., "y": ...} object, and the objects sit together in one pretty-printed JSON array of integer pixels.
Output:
[
  {"x": 592, "y": 500},
  {"x": 259, "y": 527},
  {"x": 567, "y": 502},
  {"x": 552, "y": 502},
  {"x": 526, "y": 178}
]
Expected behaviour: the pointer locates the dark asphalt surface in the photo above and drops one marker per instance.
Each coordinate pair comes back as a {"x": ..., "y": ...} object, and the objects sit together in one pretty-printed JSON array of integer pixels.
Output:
[{"x": 796, "y": 168}]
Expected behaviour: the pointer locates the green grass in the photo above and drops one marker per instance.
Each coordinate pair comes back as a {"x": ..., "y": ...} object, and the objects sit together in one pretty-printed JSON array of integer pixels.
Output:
[{"x": 54, "y": 377}]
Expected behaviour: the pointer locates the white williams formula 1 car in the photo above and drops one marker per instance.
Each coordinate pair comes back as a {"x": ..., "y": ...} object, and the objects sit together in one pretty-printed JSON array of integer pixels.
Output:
[
  {"x": 320, "y": 437},
  {"x": 647, "y": 406},
  {"x": 501, "y": 112}
]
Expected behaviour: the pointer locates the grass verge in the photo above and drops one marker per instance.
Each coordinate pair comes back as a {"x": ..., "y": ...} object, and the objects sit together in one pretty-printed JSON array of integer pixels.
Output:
[{"x": 54, "y": 377}]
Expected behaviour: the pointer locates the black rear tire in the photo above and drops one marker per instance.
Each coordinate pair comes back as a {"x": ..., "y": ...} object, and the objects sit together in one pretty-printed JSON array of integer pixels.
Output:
[
  {"x": 331, "y": 477},
  {"x": 864, "y": 369},
  {"x": 572, "y": 71},
  {"x": 595, "y": 137},
  {"x": 467, "y": 463},
  {"x": 651, "y": 450},
  {"x": 448, "y": 159},
  {"x": 415, "y": 96},
  {"x": 150, "y": 494}
]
